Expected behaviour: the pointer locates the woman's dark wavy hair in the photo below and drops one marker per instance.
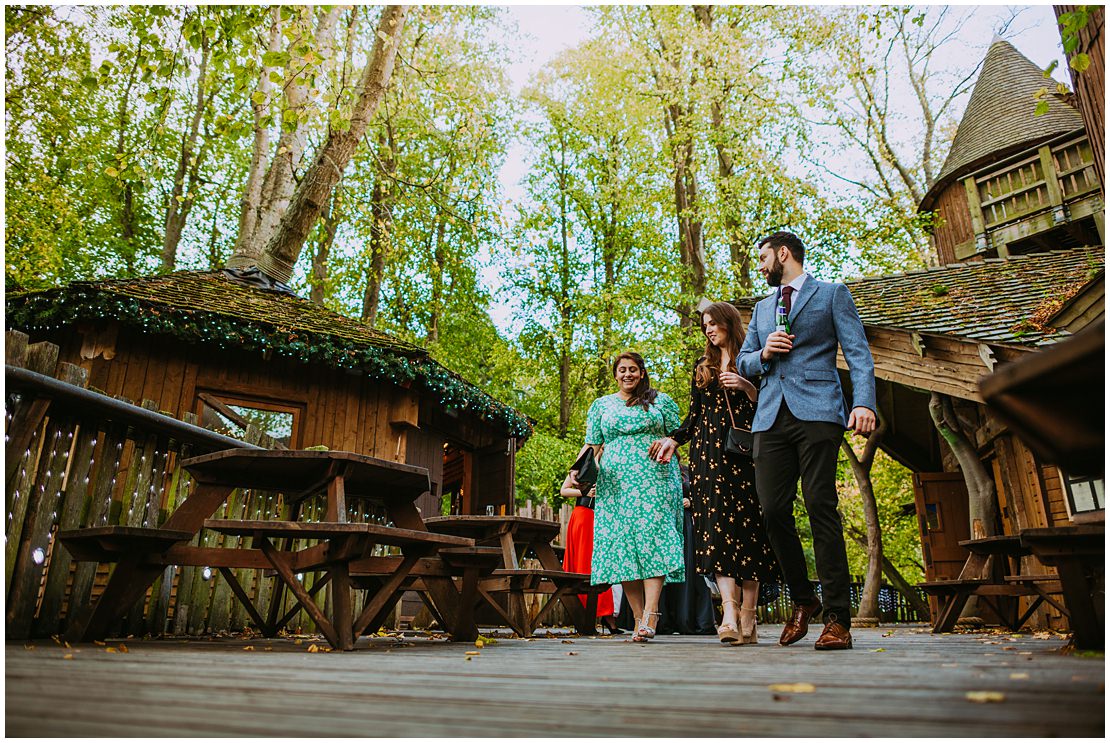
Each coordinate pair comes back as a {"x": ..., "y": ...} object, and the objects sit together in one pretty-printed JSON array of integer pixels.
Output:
[
  {"x": 727, "y": 317},
  {"x": 644, "y": 395}
]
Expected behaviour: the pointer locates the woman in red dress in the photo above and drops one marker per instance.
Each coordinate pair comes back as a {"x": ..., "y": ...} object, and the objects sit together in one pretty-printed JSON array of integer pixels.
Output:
[{"x": 580, "y": 549}]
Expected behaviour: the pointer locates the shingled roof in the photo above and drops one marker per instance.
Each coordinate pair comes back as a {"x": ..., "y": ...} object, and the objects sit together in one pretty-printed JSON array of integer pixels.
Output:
[
  {"x": 999, "y": 118},
  {"x": 206, "y": 307},
  {"x": 999, "y": 300}
]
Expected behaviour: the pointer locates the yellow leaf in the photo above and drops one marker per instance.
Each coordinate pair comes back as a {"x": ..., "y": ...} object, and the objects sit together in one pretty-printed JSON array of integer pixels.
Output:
[
  {"x": 122, "y": 648},
  {"x": 110, "y": 650},
  {"x": 249, "y": 647},
  {"x": 101, "y": 643},
  {"x": 879, "y": 650},
  {"x": 67, "y": 656},
  {"x": 983, "y": 697},
  {"x": 800, "y": 688},
  {"x": 472, "y": 652},
  {"x": 1019, "y": 675},
  {"x": 479, "y": 644},
  {"x": 313, "y": 649}
]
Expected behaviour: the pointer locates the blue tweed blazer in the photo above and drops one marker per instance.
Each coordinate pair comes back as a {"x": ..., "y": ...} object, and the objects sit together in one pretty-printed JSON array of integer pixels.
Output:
[{"x": 822, "y": 316}]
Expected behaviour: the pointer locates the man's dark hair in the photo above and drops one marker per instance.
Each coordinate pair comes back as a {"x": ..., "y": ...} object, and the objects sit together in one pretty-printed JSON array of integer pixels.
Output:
[{"x": 788, "y": 240}]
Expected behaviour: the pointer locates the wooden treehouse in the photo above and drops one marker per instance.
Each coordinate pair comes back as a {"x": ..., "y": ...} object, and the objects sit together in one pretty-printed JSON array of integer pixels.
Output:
[
  {"x": 1018, "y": 234},
  {"x": 249, "y": 366}
]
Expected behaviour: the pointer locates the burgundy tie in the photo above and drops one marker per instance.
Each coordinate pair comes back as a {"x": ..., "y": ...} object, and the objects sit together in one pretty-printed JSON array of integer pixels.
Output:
[{"x": 787, "y": 291}]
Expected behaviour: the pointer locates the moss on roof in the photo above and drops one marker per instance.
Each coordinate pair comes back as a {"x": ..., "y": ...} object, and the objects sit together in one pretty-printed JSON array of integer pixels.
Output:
[
  {"x": 206, "y": 307},
  {"x": 993, "y": 301}
]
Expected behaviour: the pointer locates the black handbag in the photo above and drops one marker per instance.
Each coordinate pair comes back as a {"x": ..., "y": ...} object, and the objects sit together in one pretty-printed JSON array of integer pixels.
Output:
[
  {"x": 586, "y": 465},
  {"x": 740, "y": 440}
]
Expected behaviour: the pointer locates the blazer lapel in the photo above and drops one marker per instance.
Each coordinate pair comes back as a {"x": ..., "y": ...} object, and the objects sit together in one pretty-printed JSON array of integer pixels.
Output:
[{"x": 809, "y": 288}]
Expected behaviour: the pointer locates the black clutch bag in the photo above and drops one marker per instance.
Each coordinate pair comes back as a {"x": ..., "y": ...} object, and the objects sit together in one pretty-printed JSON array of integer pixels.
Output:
[
  {"x": 740, "y": 440},
  {"x": 586, "y": 465}
]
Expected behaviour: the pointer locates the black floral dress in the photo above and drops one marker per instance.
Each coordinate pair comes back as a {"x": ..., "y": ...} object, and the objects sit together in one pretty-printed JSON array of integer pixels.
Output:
[{"x": 728, "y": 524}]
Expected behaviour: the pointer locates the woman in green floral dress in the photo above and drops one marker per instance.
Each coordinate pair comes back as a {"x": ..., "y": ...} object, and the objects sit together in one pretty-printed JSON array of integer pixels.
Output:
[{"x": 638, "y": 506}]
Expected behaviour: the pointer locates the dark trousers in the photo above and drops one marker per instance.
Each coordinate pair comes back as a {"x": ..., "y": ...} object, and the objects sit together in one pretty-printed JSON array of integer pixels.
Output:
[{"x": 791, "y": 449}]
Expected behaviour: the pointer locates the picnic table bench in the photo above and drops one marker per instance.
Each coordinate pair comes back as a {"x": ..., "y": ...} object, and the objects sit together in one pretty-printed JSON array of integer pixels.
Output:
[
  {"x": 992, "y": 571},
  {"x": 516, "y": 537},
  {"x": 1078, "y": 553},
  {"x": 141, "y": 554}
]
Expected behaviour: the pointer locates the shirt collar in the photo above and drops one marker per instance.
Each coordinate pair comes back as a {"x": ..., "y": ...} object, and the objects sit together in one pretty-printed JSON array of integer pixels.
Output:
[{"x": 798, "y": 281}]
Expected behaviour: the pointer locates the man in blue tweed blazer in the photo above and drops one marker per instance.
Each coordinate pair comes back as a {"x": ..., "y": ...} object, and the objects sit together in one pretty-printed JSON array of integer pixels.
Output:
[{"x": 799, "y": 424}]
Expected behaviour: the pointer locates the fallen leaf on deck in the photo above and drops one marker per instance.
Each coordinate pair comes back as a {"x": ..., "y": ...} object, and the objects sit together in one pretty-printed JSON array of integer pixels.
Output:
[
  {"x": 888, "y": 634},
  {"x": 1026, "y": 652},
  {"x": 298, "y": 642},
  {"x": 99, "y": 642},
  {"x": 67, "y": 646},
  {"x": 572, "y": 653},
  {"x": 67, "y": 656},
  {"x": 479, "y": 644},
  {"x": 469, "y": 658},
  {"x": 110, "y": 650},
  {"x": 472, "y": 652},
  {"x": 879, "y": 650},
  {"x": 122, "y": 648},
  {"x": 28, "y": 647},
  {"x": 799, "y": 688},
  {"x": 248, "y": 647},
  {"x": 313, "y": 649},
  {"x": 983, "y": 697},
  {"x": 568, "y": 642},
  {"x": 1019, "y": 675}
]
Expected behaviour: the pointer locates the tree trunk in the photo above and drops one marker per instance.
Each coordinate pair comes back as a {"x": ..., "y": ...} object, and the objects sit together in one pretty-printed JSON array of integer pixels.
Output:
[
  {"x": 982, "y": 499},
  {"x": 439, "y": 258},
  {"x": 861, "y": 469},
  {"x": 566, "y": 329},
  {"x": 381, "y": 229},
  {"x": 890, "y": 570},
  {"x": 177, "y": 211},
  {"x": 691, "y": 244},
  {"x": 323, "y": 250},
  {"x": 244, "y": 254},
  {"x": 315, "y": 188},
  {"x": 280, "y": 181}
]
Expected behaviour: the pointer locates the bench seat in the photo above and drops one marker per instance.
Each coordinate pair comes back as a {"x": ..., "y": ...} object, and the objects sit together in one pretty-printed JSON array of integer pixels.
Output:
[{"x": 109, "y": 543}]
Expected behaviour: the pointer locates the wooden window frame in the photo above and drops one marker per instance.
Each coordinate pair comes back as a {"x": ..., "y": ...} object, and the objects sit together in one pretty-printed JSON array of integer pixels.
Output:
[
  {"x": 296, "y": 409},
  {"x": 1094, "y": 514}
]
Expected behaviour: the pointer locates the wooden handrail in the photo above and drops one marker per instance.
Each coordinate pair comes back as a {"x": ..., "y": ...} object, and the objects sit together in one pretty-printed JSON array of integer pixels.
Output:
[{"x": 69, "y": 396}]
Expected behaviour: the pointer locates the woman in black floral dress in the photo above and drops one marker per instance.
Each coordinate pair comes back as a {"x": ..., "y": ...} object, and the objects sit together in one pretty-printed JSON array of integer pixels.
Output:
[{"x": 730, "y": 541}]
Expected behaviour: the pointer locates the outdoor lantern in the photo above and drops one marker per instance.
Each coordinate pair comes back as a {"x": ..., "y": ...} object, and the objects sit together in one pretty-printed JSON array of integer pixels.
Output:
[
  {"x": 39, "y": 556},
  {"x": 206, "y": 573}
]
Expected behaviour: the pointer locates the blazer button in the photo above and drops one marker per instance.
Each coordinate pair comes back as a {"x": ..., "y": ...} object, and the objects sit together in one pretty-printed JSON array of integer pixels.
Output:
[{"x": 782, "y": 376}]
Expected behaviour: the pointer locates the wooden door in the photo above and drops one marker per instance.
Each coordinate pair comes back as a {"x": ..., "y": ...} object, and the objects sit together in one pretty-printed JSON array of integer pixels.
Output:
[{"x": 942, "y": 520}]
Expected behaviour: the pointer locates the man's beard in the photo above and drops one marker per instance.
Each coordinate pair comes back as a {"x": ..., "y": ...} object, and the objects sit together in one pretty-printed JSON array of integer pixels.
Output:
[{"x": 774, "y": 276}]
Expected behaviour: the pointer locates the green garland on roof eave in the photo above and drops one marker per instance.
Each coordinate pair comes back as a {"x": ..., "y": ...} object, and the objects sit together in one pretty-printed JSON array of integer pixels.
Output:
[{"x": 52, "y": 310}]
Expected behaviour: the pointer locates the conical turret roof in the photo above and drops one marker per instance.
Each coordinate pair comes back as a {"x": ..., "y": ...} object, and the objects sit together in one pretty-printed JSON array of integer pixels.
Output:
[{"x": 999, "y": 117}]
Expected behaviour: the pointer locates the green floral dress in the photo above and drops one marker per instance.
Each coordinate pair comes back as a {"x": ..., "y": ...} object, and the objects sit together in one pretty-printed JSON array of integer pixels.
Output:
[{"x": 638, "y": 506}]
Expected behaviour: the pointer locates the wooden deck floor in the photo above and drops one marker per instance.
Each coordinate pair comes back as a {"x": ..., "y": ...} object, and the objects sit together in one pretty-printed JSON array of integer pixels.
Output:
[{"x": 905, "y": 683}]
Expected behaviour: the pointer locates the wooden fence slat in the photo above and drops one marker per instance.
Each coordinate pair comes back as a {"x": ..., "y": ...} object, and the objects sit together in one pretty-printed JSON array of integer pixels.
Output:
[
  {"x": 15, "y": 348},
  {"x": 71, "y": 512}
]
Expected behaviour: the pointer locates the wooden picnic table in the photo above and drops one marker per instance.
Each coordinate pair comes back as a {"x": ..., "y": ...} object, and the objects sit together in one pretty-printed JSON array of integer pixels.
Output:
[
  {"x": 993, "y": 572},
  {"x": 1078, "y": 553},
  {"x": 516, "y": 536},
  {"x": 142, "y": 554}
]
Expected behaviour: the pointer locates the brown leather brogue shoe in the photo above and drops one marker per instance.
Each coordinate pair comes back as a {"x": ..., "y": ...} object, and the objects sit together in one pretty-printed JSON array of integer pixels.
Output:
[
  {"x": 798, "y": 625},
  {"x": 835, "y": 637}
]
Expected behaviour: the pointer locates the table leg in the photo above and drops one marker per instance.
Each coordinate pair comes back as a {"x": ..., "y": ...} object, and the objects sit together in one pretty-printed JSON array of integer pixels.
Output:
[
  {"x": 278, "y": 561},
  {"x": 129, "y": 582},
  {"x": 245, "y": 600},
  {"x": 342, "y": 611},
  {"x": 373, "y": 614},
  {"x": 508, "y": 550},
  {"x": 1086, "y": 629},
  {"x": 465, "y": 629},
  {"x": 950, "y": 611}
]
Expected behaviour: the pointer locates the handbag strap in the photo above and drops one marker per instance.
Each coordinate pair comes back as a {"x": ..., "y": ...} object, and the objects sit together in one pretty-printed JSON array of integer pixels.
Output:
[{"x": 728, "y": 404}]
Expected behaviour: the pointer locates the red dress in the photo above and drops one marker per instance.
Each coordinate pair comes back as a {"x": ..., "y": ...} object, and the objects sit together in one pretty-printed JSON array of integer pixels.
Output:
[{"x": 580, "y": 551}]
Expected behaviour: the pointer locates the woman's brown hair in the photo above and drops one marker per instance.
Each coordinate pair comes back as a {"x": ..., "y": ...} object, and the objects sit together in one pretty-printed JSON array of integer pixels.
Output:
[
  {"x": 643, "y": 395},
  {"x": 728, "y": 319}
]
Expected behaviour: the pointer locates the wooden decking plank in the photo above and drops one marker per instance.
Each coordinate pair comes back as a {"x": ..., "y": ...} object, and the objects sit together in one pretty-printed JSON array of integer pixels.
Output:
[{"x": 673, "y": 686}]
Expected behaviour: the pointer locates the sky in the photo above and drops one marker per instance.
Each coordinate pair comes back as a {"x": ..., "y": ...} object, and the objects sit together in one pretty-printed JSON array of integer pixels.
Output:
[{"x": 546, "y": 30}]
